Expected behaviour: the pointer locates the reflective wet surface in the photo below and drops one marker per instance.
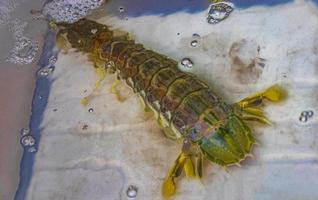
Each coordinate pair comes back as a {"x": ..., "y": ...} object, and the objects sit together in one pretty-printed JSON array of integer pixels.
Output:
[{"x": 114, "y": 150}]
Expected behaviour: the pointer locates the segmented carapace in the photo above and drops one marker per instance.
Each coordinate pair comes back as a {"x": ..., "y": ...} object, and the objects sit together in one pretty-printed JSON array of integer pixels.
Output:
[{"x": 184, "y": 105}]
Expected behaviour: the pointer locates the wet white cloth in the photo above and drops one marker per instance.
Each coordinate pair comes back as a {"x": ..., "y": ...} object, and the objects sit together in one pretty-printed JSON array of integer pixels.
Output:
[{"x": 121, "y": 145}]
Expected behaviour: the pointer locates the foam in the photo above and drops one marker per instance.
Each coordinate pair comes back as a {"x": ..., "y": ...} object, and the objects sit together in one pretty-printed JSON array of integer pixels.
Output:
[{"x": 70, "y": 11}]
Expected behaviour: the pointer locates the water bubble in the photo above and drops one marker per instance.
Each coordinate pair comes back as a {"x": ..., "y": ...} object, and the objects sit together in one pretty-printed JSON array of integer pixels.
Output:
[
  {"x": 27, "y": 141},
  {"x": 132, "y": 191},
  {"x": 22, "y": 42},
  {"x": 219, "y": 11},
  {"x": 45, "y": 71},
  {"x": 303, "y": 118},
  {"x": 32, "y": 150},
  {"x": 25, "y": 131},
  {"x": 196, "y": 36},
  {"x": 52, "y": 60},
  {"x": 194, "y": 43},
  {"x": 310, "y": 113},
  {"x": 69, "y": 11},
  {"x": 67, "y": 7},
  {"x": 121, "y": 9},
  {"x": 37, "y": 14},
  {"x": 90, "y": 110},
  {"x": 305, "y": 115},
  {"x": 75, "y": 14},
  {"x": 217, "y": 14},
  {"x": 23, "y": 52},
  {"x": 93, "y": 5},
  {"x": 94, "y": 31},
  {"x": 187, "y": 63}
]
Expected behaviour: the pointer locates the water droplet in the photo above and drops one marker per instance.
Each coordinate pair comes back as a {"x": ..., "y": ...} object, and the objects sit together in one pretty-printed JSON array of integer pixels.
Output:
[
  {"x": 27, "y": 141},
  {"x": 187, "y": 63},
  {"x": 75, "y": 14},
  {"x": 217, "y": 14},
  {"x": 45, "y": 71},
  {"x": 22, "y": 42},
  {"x": 196, "y": 36},
  {"x": 132, "y": 191},
  {"x": 90, "y": 110},
  {"x": 32, "y": 150},
  {"x": 94, "y": 31},
  {"x": 23, "y": 52},
  {"x": 93, "y": 5},
  {"x": 310, "y": 113},
  {"x": 219, "y": 11},
  {"x": 194, "y": 43},
  {"x": 307, "y": 114},
  {"x": 67, "y": 7},
  {"x": 25, "y": 131},
  {"x": 52, "y": 60},
  {"x": 303, "y": 118},
  {"x": 121, "y": 9}
]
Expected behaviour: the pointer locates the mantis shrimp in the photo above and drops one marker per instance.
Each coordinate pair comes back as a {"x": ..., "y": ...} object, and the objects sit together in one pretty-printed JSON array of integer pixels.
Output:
[{"x": 185, "y": 106}]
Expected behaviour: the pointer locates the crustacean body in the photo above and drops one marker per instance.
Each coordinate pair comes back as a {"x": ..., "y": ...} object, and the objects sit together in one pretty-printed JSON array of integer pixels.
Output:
[{"x": 184, "y": 105}]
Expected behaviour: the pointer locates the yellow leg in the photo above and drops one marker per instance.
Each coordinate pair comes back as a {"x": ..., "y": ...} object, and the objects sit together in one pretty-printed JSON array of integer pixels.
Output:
[
  {"x": 62, "y": 43},
  {"x": 248, "y": 107},
  {"x": 115, "y": 91},
  {"x": 183, "y": 162},
  {"x": 189, "y": 167},
  {"x": 101, "y": 72},
  {"x": 169, "y": 185},
  {"x": 255, "y": 114},
  {"x": 146, "y": 107},
  {"x": 168, "y": 132}
]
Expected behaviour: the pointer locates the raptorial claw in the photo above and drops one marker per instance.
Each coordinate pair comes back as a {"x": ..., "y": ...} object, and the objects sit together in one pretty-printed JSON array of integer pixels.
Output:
[
  {"x": 169, "y": 186},
  {"x": 185, "y": 106},
  {"x": 247, "y": 107},
  {"x": 274, "y": 94}
]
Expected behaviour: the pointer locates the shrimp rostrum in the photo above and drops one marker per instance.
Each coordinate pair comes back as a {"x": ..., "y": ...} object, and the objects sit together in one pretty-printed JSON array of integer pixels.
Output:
[{"x": 185, "y": 106}]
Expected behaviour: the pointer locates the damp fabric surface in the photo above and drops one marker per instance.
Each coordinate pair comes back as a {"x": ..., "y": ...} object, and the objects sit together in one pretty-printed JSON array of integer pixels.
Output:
[{"x": 96, "y": 151}]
